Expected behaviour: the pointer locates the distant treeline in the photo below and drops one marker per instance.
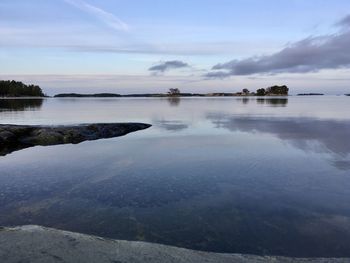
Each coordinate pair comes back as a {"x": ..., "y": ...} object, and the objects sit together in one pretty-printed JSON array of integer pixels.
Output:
[
  {"x": 76, "y": 95},
  {"x": 274, "y": 90},
  {"x": 271, "y": 91},
  {"x": 112, "y": 95},
  {"x": 11, "y": 88},
  {"x": 310, "y": 94}
]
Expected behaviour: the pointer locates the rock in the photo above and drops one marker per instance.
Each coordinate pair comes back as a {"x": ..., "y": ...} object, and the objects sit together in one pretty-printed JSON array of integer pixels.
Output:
[
  {"x": 7, "y": 136},
  {"x": 44, "y": 137},
  {"x": 39, "y": 244},
  {"x": 17, "y": 137}
]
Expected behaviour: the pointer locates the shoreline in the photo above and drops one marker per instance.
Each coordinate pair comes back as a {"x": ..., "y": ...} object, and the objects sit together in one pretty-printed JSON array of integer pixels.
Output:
[
  {"x": 160, "y": 95},
  {"x": 41, "y": 244},
  {"x": 164, "y": 96}
]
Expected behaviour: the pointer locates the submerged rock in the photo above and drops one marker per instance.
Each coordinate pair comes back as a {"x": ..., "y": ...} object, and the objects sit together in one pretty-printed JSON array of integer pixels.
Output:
[
  {"x": 39, "y": 244},
  {"x": 17, "y": 137}
]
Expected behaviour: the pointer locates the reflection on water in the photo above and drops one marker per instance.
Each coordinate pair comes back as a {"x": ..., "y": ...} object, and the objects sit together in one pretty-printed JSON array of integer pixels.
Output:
[
  {"x": 20, "y": 104},
  {"x": 171, "y": 125},
  {"x": 213, "y": 174},
  {"x": 315, "y": 135},
  {"x": 273, "y": 101},
  {"x": 174, "y": 101}
]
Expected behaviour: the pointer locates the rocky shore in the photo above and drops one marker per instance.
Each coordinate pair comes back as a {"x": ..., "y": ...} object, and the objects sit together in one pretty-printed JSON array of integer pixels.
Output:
[
  {"x": 17, "y": 137},
  {"x": 39, "y": 244}
]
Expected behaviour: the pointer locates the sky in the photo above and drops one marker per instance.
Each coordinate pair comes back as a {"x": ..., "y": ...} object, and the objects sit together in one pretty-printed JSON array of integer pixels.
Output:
[{"x": 139, "y": 46}]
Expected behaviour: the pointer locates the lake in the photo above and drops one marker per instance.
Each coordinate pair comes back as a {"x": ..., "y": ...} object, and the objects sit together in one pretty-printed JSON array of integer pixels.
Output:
[{"x": 267, "y": 176}]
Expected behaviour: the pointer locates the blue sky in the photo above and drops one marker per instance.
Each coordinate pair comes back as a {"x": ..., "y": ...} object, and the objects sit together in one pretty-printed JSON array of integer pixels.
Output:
[{"x": 199, "y": 45}]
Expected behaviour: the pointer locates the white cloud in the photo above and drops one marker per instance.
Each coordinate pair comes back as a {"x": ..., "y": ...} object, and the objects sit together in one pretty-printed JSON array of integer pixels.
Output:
[{"x": 108, "y": 18}]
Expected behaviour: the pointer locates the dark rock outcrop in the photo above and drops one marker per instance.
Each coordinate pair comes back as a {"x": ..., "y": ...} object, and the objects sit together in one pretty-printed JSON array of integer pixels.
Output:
[{"x": 17, "y": 137}]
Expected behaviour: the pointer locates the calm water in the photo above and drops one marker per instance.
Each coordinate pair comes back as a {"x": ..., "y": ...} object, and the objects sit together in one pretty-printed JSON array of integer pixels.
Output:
[{"x": 261, "y": 176}]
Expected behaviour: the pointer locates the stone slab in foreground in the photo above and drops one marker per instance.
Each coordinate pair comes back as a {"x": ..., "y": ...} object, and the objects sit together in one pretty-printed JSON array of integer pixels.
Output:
[
  {"x": 45, "y": 245},
  {"x": 17, "y": 137}
]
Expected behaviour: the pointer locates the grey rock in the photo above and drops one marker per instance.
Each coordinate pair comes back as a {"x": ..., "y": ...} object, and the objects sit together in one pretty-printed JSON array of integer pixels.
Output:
[
  {"x": 17, "y": 137},
  {"x": 7, "y": 136},
  {"x": 39, "y": 244}
]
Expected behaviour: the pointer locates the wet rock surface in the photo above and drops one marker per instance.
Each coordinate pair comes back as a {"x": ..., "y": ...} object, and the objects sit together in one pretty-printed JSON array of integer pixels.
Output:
[
  {"x": 39, "y": 244},
  {"x": 17, "y": 137}
]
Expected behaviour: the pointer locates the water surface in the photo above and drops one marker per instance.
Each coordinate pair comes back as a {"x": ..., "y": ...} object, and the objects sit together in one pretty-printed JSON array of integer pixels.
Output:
[{"x": 243, "y": 175}]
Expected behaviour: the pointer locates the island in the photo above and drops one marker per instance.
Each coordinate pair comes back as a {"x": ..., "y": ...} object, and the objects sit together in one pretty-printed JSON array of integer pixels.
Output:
[
  {"x": 310, "y": 94},
  {"x": 11, "y": 88},
  {"x": 174, "y": 92},
  {"x": 17, "y": 137},
  {"x": 97, "y": 95}
]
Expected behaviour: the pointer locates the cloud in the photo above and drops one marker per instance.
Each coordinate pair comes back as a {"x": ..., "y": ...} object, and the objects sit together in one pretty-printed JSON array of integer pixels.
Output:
[
  {"x": 168, "y": 65},
  {"x": 218, "y": 74},
  {"x": 345, "y": 22},
  {"x": 308, "y": 55},
  {"x": 102, "y": 15}
]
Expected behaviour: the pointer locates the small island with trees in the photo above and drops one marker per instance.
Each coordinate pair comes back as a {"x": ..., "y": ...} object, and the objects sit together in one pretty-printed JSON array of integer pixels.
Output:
[
  {"x": 11, "y": 88},
  {"x": 174, "y": 92}
]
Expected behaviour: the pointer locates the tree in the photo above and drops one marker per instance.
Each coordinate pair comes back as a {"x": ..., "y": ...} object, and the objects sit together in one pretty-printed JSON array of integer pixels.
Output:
[
  {"x": 245, "y": 91},
  {"x": 261, "y": 92},
  {"x": 17, "y": 89},
  {"x": 174, "y": 92},
  {"x": 277, "y": 90}
]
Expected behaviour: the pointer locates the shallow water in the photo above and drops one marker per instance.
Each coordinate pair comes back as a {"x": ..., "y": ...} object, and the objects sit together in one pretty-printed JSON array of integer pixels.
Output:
[{"x": 260, "y": 176}]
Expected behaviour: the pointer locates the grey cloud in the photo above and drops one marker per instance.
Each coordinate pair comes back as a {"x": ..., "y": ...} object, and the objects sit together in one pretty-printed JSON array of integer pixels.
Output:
[
  {"x": 342, "y": 165},
  {"x": 218, "y": 74},
  {"x": 308, "y": 55},
  {"x": 345, "y": 22},
  {"x": 168, "y": 65}
]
